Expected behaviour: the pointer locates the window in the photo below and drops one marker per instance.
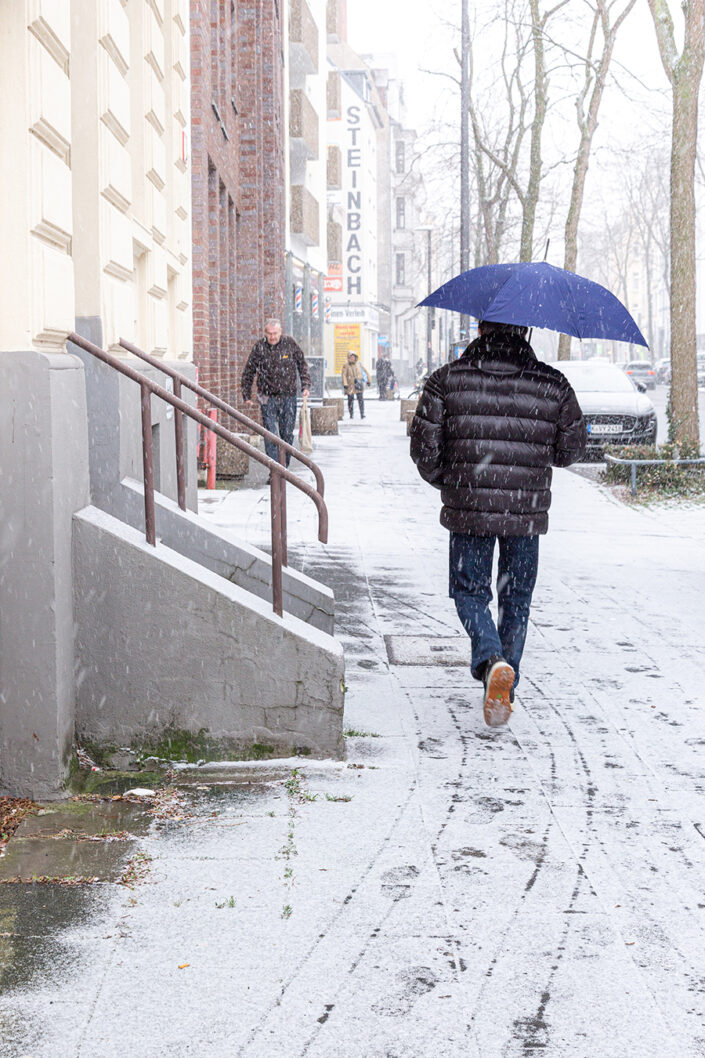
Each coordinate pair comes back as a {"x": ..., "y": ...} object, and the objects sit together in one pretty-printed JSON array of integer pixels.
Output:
[
  {"x": 400, "y": 270},
  {"x": 401, "y": 213},
  {"x": 400, "y": 156}
]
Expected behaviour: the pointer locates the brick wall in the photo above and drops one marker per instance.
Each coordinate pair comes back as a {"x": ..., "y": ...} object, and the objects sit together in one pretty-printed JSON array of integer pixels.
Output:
[{"x": 238, "y": 183}]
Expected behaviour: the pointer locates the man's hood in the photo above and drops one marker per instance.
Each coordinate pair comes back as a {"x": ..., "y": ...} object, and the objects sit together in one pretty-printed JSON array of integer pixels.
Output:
[{"x": 500, "y": 354}]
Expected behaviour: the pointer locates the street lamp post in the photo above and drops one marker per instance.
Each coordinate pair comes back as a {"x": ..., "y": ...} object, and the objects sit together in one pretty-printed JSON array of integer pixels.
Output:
[
  {"x": 464, "y": 146},
  {"x": 430, "y": 311}
]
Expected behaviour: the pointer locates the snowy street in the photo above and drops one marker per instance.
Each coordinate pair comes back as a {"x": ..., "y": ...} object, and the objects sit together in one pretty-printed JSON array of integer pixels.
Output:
[{"x": 449, "y": 889}]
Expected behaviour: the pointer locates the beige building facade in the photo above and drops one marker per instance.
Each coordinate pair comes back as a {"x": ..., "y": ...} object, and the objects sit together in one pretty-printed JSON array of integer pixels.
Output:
[
  {"x": 96, "y": 203},
  {"x": 95, "y": 235}
]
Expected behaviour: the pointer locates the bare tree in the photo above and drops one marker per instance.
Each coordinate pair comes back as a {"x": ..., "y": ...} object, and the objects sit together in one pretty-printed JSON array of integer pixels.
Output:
[
  {"x": 498, "y": 163},
  {"x": 685, "y": 72},
  {"x": 592, "y": 90},
  {"x": 498, "y": 144},
  {"x": 647, "y": 196},
  {"x": 530, "y": 199}
]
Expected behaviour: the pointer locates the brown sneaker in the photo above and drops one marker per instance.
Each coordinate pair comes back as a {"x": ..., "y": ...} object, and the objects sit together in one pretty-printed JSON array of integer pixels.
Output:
[{"x": 499, "y": 683}]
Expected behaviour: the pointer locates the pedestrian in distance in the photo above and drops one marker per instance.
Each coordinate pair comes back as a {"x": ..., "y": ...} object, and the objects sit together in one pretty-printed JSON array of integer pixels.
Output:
[
  {"x": 385, "y": 376},
  {"x": 488, "y": 429},
  {"x": 354, "y": 383},
  {"x": 276, "y": 360}
]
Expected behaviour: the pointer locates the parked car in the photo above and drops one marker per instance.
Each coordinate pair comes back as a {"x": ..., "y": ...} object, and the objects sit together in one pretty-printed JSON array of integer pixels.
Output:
[
  {"x": 616, "y": 409},
  {"x": 643, "y": 371},
  {"x": 663, "y": 370}
]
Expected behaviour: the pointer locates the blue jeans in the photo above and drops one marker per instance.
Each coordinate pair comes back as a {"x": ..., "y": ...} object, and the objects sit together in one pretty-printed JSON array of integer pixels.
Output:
[
  {"x": 471, "y": 589},
  {"x": 279, "y": 416}
]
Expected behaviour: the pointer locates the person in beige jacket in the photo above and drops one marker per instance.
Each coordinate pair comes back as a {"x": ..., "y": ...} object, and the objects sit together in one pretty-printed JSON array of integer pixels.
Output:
[{"x": 354, "y": 383}]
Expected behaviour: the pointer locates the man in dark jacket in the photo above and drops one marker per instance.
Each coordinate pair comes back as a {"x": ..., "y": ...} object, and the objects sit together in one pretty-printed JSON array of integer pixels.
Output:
[
  {"x": 275, "y": 360},
  {"x": 488, "y": 429}
]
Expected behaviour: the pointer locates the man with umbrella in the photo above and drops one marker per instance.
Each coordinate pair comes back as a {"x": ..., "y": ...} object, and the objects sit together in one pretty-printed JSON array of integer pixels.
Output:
[{"x": 487, "y": 431}]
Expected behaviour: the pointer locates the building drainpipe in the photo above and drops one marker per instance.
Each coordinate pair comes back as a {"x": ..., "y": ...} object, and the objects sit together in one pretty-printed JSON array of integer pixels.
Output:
[
  {"x": 289, "y": 292},
  {"x": 430, "y": 311},
  {"x": 307, "y": 306}
]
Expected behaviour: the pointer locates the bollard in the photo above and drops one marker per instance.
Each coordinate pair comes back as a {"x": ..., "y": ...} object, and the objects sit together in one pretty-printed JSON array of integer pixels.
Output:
[
  {"x": 324, "y": 421},
  {"x": 335, "y": 402},
  {"x": 407, "y": 405},
  {"x": 233, "y": 462}
]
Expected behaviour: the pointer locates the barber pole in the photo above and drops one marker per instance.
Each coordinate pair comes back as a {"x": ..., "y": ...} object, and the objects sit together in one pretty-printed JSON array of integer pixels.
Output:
[
  {"x": 327, "y": 309},
  {"x": 314, "y": 304},
  {"x": 298, "y": 298}
]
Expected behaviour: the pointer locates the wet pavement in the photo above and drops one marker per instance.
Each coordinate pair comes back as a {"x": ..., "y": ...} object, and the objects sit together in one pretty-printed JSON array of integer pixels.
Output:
[{"x": 448, "y": 889}]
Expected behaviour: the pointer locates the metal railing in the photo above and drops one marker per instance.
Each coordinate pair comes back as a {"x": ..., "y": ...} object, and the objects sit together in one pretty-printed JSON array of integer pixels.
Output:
[
  {"x": 283, "y": 448},
  {"x": 279, "y": 474},
  {"x": 634, "y": 463}
]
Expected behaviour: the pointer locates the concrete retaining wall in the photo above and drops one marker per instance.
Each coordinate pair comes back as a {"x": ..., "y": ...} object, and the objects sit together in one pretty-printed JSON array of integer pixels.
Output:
[{"x": 163, "y": 643}]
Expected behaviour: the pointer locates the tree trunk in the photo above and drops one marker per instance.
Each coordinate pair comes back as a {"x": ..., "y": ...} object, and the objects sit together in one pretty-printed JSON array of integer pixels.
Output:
[
  {"x": 684, "y": 384},
  {"x": 649, "y": 292},
  {"x": 588, "y": 124},
  {"x": 582, "y": 162},
  {"x": 570, "y": 260},
  {"x": 464, "y": 149},
  {"x": 533, "y": 189}
]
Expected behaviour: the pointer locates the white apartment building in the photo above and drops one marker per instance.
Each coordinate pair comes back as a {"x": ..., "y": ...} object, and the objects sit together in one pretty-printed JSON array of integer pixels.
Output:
[
  {"x": 306, "y": 73},
  {"x": 357, "y": 122},
  {"x": 410, "y": 244}
]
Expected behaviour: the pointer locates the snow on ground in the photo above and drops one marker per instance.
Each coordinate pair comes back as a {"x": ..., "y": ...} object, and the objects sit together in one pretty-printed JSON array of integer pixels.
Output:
[{"x": 474, "y": 892}]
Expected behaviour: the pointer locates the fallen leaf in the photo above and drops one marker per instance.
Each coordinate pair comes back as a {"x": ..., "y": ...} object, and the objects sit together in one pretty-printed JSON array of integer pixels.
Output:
[{"x": 184, "y": 965}]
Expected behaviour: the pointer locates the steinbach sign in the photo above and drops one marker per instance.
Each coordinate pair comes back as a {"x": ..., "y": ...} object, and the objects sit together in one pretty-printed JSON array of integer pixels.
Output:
[{"x": 353, "y": 217}]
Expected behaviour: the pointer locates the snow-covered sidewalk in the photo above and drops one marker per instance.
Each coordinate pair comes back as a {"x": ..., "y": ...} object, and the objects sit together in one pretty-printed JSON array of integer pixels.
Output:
[{"x": 449, "y": 890}]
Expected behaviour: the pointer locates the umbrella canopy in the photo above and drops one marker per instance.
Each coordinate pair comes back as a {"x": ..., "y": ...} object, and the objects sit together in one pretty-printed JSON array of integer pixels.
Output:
[{"x": 536, "y": 294}]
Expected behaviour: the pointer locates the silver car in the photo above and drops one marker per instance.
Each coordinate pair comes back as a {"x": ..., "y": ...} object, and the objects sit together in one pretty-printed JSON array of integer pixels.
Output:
[{"x": 616, "y": 410}]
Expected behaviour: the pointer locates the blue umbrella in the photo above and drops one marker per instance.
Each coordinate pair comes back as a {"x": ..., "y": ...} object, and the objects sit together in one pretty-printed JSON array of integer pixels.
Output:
[{"x": 536, "y": 294}]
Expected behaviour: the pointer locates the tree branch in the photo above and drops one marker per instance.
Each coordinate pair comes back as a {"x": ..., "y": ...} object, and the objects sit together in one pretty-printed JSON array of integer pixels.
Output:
[{"x": 665, "y": 36}]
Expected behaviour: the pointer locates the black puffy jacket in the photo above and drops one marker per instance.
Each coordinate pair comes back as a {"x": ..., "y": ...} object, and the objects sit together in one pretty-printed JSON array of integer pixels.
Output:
[
  {"x": 487, "y": 431},
  {"x": 275, "y": 367}
]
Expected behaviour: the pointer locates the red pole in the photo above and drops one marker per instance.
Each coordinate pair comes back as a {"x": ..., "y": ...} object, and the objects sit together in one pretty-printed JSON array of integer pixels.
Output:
[{"x": 211, "y": 450}]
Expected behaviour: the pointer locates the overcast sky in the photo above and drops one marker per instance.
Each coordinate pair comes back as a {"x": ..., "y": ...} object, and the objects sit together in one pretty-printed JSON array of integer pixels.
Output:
[{"x": 421, "y": 38}]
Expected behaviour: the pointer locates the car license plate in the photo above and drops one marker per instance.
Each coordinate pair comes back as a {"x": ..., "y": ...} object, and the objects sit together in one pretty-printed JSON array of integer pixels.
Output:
[{"x": 604, "y": 427}]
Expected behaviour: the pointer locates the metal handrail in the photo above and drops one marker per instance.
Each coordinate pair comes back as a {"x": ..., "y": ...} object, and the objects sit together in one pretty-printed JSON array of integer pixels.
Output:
[
  {"x": 634, "y": 463},
  {"x": 278, "y": 472},
  {"x": 239, "y": 416},
  {"x": 282, "y": 446}
]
